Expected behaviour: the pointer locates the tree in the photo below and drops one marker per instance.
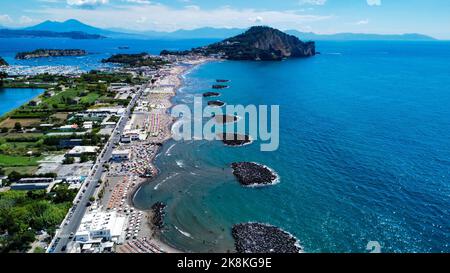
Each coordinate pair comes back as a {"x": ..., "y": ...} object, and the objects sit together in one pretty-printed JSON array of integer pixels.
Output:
[
  {"x": 3, "y": 75},
  {"x": 18, "y": 126},
  {"x": 68, "y": 160}
]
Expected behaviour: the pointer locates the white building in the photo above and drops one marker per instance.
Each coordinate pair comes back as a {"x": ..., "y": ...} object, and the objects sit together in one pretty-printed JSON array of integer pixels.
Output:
[
  {"x": 120, "y": 155},
  {"x": 78, "y": 151},
  {"x": 99, "y": 225}
]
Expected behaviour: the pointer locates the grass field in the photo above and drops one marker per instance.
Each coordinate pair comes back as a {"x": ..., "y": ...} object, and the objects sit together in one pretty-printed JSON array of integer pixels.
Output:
[{"x": 17, "y": 161}]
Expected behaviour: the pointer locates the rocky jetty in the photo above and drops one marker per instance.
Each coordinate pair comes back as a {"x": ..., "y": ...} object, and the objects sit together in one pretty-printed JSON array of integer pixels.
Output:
[
  {"x": 230, "y": 139},
  {"x": 262, "y": 238},
  {"x": 219, "y": 86},
  {"x": 222, "y": 119},
  {"x": 253, "y": 174},
  {"x": 3, "y": 62},
  {"x": 44, "y": 53},
  {"x": 259, "y": 43},
  {"x": 158, "y": 210},
  {"x": 217, "y": 103},
  {"x": 211, "y": 94}
]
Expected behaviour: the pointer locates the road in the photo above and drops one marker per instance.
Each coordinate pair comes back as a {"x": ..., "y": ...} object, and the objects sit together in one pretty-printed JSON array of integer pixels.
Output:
[{"x": 80, "y": 206}]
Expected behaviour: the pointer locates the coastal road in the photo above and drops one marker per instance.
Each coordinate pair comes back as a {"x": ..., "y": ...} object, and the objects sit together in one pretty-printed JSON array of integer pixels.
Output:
[{"x": 81, "y": 205}]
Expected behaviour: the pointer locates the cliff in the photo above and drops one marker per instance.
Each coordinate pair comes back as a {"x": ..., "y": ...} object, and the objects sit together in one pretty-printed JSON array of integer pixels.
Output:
[
  {"x": 42, "y": 53},
  {"x": 257, "y": 43}
]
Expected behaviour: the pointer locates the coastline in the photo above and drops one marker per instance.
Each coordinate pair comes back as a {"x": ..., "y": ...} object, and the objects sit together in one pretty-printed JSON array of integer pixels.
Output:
[{"x": 177, "y": 79}]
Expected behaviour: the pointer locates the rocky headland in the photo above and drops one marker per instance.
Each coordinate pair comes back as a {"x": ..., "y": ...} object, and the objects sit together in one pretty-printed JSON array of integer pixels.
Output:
[{"x": 259, "y": 43}]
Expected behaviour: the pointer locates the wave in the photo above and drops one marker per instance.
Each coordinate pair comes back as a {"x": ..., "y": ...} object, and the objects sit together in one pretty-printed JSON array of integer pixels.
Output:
[
  {"x": 164, "y": 180},
  {"x": 180, "y": 163},
  {"x": 170, "y": 149},
  {"x": 184, "y": 232}
]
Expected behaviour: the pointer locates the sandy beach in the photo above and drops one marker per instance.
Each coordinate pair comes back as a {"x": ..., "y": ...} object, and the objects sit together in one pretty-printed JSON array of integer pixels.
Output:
[{"x": 125, "y": 179}]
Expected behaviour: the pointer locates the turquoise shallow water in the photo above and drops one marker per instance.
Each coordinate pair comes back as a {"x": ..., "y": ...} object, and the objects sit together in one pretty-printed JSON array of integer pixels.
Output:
[
  {"x": 364, "y": 153},
  {"x": 11, "y": 98}
]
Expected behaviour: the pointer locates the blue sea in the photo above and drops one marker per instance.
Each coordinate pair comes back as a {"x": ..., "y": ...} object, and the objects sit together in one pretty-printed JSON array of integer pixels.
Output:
[{"x": 364, "y": 149}]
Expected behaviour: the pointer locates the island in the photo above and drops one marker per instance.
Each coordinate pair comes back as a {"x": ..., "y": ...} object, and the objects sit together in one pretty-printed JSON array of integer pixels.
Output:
[
  {"x": 259, "y": 43},
  {"x": 222, "y": 119},
  {"x": 231, "y": 139},
  {"x": 253, "y": 174},
  {"x": 3, "y": 62},
  {"x": 44, "y": 53},
  {"x": 263, "y": 238},
  {"x": 211, "y": 94},
  {"x": 136, "y": 60},
  {"x": 219, "y": 86},
  {"x": 216, "y": 103}
]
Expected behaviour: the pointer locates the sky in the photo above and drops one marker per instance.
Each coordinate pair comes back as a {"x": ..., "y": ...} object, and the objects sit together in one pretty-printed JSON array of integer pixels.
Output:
[{"x": 429, "y": 17}]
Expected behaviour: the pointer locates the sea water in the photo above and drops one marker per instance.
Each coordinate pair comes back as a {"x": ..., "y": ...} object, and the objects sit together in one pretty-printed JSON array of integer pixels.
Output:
[{"x": 364, "y": 152}]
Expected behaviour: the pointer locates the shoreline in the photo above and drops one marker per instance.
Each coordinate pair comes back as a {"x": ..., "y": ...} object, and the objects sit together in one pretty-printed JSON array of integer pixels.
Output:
[{"x": 179, "y": 80}]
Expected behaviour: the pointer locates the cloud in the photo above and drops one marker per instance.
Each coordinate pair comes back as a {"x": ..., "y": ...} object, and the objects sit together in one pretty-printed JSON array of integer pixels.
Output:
[
  {"x": 24, "y": 20},
  {"x": 86, "y": 3},
  {"x": 363, "y": 22},
  {"x": 374, "y": 2},
  {"x": 170, "y": 18},
  {"x": 138, "y": 1},
  {"x": 5, "y": 19},
  {"x": 256, "y": 20},
  {"x": 312, "y": 2}
]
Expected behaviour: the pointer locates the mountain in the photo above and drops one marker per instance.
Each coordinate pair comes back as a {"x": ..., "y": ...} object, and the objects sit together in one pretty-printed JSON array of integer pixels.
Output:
[
  {"x": 257, "y": 43},
  {"x": 360, "y": 36},
  {"x": 208, "y": 33},
  {"x": 17, "y": 33},
  {"x": 67, "y": 26}
]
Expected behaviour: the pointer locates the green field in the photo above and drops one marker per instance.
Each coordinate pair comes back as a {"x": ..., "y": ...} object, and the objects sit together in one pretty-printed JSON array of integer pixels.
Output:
[{"x": 17, "y": 161}]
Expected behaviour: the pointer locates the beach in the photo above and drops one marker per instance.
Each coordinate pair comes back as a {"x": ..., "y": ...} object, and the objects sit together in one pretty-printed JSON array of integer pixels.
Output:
[{"x": 125, "y": 179}]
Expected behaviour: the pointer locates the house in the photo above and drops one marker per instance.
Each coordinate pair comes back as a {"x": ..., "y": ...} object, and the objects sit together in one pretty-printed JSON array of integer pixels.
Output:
[{"x": 34, "y": 103}]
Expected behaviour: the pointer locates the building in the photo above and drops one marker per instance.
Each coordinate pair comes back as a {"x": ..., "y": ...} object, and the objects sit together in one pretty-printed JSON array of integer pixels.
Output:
[
  {"x": 30, "y": 186},
  {"x": 78, "y": 151},
  {"x": 88, "y": 124},
  {"x": 34, "y": 103},
  {"x": 97, "y": 225},
  {"x": 47, "y": 180},
  {"x": 70, "y": 143},
  {"x": 120, "y": 155}
]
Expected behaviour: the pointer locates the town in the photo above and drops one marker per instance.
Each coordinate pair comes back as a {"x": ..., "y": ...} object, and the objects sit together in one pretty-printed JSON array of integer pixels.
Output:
[{"x": 86, "y": 144}]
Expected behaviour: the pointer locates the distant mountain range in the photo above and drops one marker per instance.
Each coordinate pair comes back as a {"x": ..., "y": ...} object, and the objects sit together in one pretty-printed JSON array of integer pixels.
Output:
[{"x": 73, "y": 25}]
